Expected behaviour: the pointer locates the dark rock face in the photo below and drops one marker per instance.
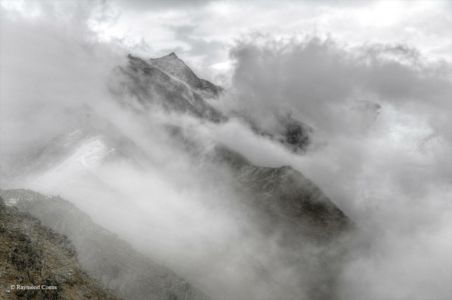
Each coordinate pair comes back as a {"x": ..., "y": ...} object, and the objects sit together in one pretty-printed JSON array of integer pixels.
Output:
[
  {"x": 296, "y": 134},
  {"x": 292, "y": 210},
  {"x": 105, "y": 257},
  {"x": 146, "y": 83},
  {"x": 286, "y": 197},
  {"x": 34, "y": 255}
]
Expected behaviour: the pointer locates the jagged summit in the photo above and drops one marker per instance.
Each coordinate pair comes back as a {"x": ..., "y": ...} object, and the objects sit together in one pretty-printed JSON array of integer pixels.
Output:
[
  {"x": 174, "y": 66},
  {"x": 167, "y": 82}
]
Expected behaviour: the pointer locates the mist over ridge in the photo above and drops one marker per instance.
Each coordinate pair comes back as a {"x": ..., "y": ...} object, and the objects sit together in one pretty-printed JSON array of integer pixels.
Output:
[{"x": 316, "y": 170}]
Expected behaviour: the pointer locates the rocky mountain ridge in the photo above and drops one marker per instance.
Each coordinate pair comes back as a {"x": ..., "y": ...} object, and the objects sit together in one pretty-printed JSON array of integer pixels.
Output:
[
  {"x": 173, "y": 65},
  {"x": 169, "y": 83}
]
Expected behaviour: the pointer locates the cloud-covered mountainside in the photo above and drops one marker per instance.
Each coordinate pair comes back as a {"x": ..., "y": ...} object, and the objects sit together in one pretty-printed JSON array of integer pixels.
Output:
[
  {"x": 321, "y": 171},
  {"x": 151, "y": 167}
]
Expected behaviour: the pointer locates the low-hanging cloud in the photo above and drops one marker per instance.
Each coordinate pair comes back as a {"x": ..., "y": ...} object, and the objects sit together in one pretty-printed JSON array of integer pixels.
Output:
[
  {"x": 320, "y": 81},
  {"x": 381, "y": 119},
  {"x": 44, "y": 73}
]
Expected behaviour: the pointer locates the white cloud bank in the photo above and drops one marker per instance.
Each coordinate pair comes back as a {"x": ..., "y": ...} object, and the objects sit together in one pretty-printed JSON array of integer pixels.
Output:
[{"x": 382, "y": 150}]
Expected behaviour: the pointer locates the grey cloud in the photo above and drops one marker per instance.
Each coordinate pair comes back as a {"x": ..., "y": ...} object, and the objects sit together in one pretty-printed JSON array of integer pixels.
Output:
[
  {"x": 381, "y": 114},
  {"x": 316, "y": 79},
  {"x": 44, "y": 77},
  {"x": 159, "y": 4}
]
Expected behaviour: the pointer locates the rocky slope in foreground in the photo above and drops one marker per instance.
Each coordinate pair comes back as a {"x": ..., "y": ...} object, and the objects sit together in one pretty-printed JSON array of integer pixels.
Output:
[
  {"x": 32, "y": 255},
  {"x": 105, "y": 257}
]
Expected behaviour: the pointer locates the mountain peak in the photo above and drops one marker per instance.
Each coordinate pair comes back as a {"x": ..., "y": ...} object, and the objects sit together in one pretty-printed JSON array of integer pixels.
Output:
[
  {"x": 172, "y": 54},
  {"x": 166, "y": 81},
  {"x": 177, "y": 68}
]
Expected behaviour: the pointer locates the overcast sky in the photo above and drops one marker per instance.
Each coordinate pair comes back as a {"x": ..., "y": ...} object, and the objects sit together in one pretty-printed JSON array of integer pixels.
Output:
[{"x": 203, "y": 31}]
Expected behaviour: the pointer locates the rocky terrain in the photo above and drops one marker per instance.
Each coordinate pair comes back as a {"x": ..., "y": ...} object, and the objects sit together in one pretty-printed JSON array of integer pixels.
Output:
[
  {"x": 32, "y": 255},
  {"x": 127, "y": 273},
  {"x": 174, "y": 66},
  {"x": 286, "y": 196},
  {"x": 143, "y": 83}
]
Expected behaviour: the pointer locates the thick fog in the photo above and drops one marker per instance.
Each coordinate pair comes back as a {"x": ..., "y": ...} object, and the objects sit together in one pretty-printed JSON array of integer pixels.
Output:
[{"x": 381, "y": 150}]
